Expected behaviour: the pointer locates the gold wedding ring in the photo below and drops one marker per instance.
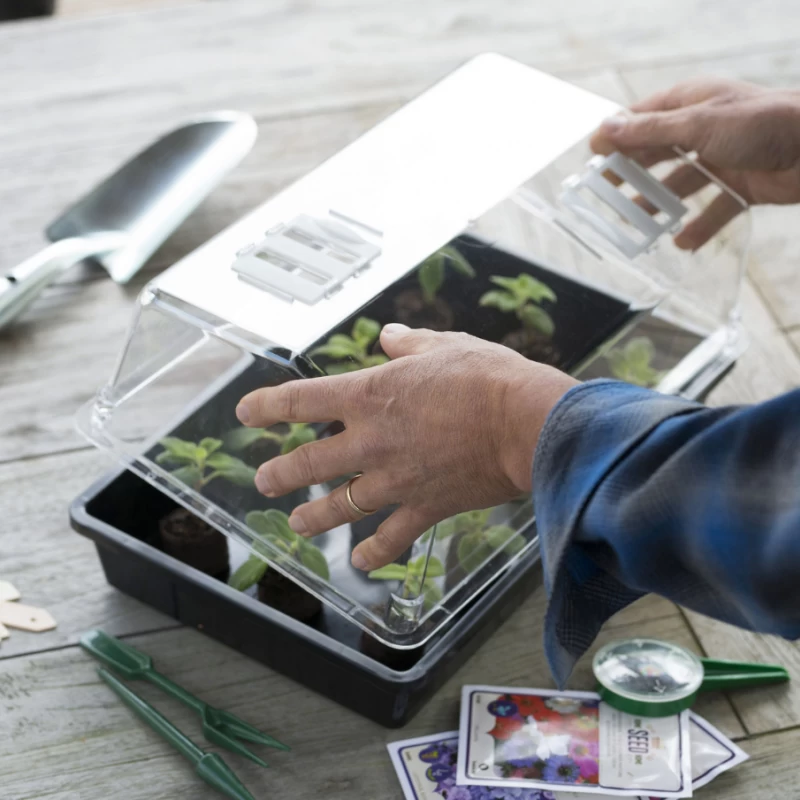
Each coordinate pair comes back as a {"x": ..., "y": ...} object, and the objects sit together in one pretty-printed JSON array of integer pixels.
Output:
[{"x": 356, "y": 509}]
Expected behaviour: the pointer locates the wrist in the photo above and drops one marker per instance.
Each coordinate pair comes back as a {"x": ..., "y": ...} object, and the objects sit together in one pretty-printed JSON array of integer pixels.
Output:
[{"x": 529, "y": 399}]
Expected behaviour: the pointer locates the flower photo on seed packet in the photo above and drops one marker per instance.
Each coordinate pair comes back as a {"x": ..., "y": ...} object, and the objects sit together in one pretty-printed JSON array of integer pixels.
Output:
[
  {"x": 441, "y": 758},
  {"x": 553, "y": 739}
]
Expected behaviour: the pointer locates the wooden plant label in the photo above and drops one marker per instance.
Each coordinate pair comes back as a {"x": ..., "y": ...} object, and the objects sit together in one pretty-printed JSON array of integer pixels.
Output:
[
  {"x": 26, "y": 618},
  {"x": 8, "y": 591}
]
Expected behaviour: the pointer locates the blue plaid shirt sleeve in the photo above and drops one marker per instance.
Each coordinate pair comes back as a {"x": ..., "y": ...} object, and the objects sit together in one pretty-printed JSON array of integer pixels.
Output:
[{"x": 637, "y": 492}]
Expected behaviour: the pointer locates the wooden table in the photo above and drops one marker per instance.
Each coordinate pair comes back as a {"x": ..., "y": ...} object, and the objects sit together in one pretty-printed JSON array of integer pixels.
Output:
[{"x": 79, "y": 95}]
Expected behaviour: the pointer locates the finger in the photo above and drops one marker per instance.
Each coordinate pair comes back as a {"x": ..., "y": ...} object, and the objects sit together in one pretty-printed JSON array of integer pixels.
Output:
[
  {"x": 644, "y": 158},
  {"x": 393, "y": 538},
  {"x": 679, "y": 128},
  {"x": 399, "y": 340},
  {"x": 719, "y": 213},
  {"x": 308, "y": 465},
  {"x": 684, "y": 181},
  {"x": 685, "y": 93},
  {"x": 369, "y": 492},
  {"x": 713, "y": 219},
  {"x": 311, "y": 400}
]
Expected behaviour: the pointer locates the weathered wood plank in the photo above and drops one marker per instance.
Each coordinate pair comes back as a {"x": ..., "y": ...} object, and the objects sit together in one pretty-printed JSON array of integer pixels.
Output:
[
  {"x": 282, "y": 58},
  {"x": 768, "y": 708},
  {"x": 74, "y": 8},
  {"x": 56, "y": 712},
  {"x": 53, "y": 567}
]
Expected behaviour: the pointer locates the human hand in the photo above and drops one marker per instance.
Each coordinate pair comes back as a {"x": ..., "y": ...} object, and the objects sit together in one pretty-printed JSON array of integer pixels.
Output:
[
  {"x": 449, "y": 425},
  {"x": 746, "y": 135}
]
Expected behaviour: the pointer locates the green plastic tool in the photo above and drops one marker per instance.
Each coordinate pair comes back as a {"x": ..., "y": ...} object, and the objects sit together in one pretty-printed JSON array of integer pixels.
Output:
[
  {"x": 209, "y": 766},
  {"x": 219, "y": 727},
  {"x": 651, "y": 678}
]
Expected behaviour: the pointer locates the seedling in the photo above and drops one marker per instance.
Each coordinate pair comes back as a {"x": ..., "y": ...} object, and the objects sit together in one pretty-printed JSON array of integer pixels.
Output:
[
  {"x": 411, "y": 577},
  {"x": 298, "y": 433},
  {"x": 272, "y": 526},
  {"x": 353, "y": 350},
  {"x": 523, "y": 296},
  {"x": 631, "y": 363},
  {"x": 199, "y": 464},
  {"x": 431, "y": 273},
  {"x": 477, "y": 539}
]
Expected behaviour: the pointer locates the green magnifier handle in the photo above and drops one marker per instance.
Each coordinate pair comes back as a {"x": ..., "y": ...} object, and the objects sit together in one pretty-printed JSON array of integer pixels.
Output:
[{"x": 723, "y": 675}]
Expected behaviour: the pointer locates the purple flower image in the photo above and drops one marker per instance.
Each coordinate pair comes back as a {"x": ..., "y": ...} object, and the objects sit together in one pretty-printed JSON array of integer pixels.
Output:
[
  {"x": 561, "y": 769},
  {"x": 580, "y": 748},
  {"x": 460, "y": 793}
]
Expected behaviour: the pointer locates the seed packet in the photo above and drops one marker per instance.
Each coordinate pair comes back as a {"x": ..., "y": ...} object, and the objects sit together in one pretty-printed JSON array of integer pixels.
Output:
[
  {"x": 712, "y": 752},
  {"x": 569, "y": 741},
  {"x": 426, "y": 767}
]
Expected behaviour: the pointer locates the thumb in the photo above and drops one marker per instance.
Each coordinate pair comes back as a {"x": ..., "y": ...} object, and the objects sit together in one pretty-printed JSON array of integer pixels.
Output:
[
  {"x": 399, "y": 340},
  {"x": 653, "y": 129}
]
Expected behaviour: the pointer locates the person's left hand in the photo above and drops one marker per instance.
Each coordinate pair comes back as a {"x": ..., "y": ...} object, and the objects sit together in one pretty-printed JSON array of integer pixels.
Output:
[{"x": 449, "y": 425}]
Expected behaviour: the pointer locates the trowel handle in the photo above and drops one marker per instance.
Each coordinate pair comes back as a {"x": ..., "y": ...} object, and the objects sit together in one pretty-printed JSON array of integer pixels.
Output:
[{"x": 23, "y": 284}]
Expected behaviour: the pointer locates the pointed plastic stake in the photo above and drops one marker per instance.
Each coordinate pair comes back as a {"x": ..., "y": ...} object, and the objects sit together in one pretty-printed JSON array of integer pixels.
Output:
[
  {"x": 209, "y": 766},
  {"x": 220, "y": 727}
]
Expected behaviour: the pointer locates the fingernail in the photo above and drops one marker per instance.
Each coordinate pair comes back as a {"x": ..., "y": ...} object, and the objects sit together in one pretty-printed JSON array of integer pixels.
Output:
[
  {"x": 262, "y": 484},
  {"x": 242, "y": 414},
  {"x": 614, "y": 124},
  {"x": 358, "y": 561},
  {"x": 395, "y": 329},
  {"x": 297, "y": 524}
]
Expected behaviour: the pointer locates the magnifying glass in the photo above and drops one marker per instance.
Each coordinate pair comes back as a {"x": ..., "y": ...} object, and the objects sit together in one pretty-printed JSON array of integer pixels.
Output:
[{"x": 651, "y": 678}]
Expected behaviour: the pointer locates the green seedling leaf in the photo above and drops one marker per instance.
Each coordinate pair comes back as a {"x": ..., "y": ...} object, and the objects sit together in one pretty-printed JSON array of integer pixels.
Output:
[
  {"x": 271, "y": 523},
  {"x": 433, "y": 594},
  {"x": 534, "y": 290},
  {"x": 365, "y": 331},
  {"x": 241, "y": 438},
  {"x": 534, "y": 317},
  {"x": 431, "y": 277},
  {"x": 631, "y": 363},
  {"x": 300, "y": 433},
  {"x": 313, "y": 558},
  {"x": 170, "y": 459},
  {"x": 391, "y": 572},
  {"x": 457, "y": 261},
  {"x": 210, "y": 445},
  {"x": 252, "y": 571},
  {"x": 190, "y": 475},
  {"x": 472, "y": 552},
  {"x": 339, "y": 346},
  {"x": 232, "y": 469},
  {"x": 375, "y": 360},
  {"x": 504, "y": 301},
  {"x": 180, "y": 450},
  {"x": 342, "y": 368},
  {"x": 502, "y": 537}
]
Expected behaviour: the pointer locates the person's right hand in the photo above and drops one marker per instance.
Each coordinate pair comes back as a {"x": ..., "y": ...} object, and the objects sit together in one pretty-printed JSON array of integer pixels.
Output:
[{"x": 746, "y": 135}]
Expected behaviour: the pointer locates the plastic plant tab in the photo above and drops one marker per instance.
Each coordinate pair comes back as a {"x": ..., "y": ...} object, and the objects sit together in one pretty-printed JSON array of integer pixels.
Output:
[
  {"x": 460, "y": 212},
  {"x": 657, "y": 679},
  {"x": 219, "y": 727},
  {"x": 209, "y": 766}
]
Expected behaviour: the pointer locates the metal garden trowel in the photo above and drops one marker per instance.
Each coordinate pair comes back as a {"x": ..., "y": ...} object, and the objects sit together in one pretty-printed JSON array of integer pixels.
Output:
[{"x": 125, "y": 219}]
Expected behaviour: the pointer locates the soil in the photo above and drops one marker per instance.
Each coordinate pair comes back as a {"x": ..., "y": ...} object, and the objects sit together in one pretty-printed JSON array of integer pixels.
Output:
[
  {"x": 284, "y": 595},
  {"x": 194, "y": 542},
  {"x": 412, "y": 310},
  {"x": 533, "y": 345}
]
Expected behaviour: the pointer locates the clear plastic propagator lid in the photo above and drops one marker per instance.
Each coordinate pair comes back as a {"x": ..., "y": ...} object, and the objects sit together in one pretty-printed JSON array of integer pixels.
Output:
[{"x": 478, "y": 207}]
